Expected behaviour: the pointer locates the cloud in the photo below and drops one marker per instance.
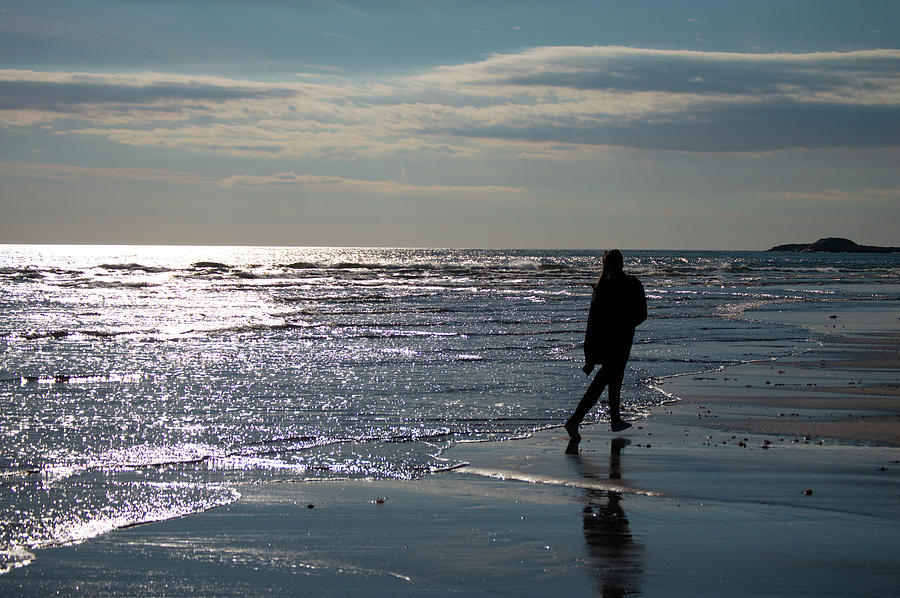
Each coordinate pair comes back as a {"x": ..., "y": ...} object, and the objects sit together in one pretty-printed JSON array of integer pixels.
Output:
[
  {"x": 318, "y": 67},
  {"x": 67, "y": 97},
  {"x": 283, "y": 180},
  {"x": 572, "y": 98},
  {"x": 353, "y": 11},
  {"x": 70, "y": 173},
  {"x": 67, "y": 92},
  {"x": 737, "y": 127},
  {"x": 339, "y": 36},
  {"x": 31, "y": 97},
  {"x": 688, "y": 100},
  {"x": 841, "y": 195},
  {"x": 854, "y": 75},
  {"x": 290, "y": 180}
]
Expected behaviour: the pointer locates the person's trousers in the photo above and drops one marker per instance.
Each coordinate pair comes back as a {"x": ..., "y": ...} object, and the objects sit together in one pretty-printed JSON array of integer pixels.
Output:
[{"x": 610, "y": 374}]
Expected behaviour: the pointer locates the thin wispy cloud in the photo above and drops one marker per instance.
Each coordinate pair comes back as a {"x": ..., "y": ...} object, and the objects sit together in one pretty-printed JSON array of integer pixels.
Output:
[
  {"x": 292, "y": 180},
  {"x": 841, "y": 195},
  {"x": 339, "y": 36},
  {"x": 63, "y": 172},
  {"x": 349, "y": 10},
  {"x": 318, "y": 67}
]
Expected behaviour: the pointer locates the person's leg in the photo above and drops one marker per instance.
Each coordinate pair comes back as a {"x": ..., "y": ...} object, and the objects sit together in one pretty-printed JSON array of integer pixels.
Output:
[
  {"x": 615, "y": 400},
  {"x": 615, "y": 396},
  {"x": 591, "y": 395}
]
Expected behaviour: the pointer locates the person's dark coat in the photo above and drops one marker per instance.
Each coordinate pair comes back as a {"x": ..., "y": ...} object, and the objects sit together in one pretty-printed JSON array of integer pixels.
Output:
[{"x": 618, "y": 305}]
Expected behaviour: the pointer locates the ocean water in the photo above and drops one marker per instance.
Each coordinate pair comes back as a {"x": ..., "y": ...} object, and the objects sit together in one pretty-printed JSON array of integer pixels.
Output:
[{"x": 144, "y": 383}]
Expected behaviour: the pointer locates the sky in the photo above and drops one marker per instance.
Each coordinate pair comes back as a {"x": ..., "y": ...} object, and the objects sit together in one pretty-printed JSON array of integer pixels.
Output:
[{"x": 703, "y": 124}]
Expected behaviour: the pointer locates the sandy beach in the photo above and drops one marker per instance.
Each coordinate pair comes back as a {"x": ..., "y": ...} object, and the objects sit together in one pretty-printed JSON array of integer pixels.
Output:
[{"x": 778, "y": 478}]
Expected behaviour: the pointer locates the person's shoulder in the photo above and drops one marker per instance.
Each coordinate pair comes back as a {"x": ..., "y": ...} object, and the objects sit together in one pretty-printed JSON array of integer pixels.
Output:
[{"x": 634, "y": 286}]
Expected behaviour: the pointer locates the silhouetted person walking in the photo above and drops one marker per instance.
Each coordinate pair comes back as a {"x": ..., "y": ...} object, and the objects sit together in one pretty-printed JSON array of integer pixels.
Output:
[{"x": 618, "y": 305}]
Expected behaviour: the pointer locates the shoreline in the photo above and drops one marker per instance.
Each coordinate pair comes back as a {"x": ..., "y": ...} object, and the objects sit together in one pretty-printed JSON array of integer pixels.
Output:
[{"x": 738, "y": 488}]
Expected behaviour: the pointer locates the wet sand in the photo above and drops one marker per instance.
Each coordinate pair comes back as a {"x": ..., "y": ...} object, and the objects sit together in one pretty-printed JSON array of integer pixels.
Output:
[
  {"x": 742, "y": 489},
  {"x": 846, "y": 390}
]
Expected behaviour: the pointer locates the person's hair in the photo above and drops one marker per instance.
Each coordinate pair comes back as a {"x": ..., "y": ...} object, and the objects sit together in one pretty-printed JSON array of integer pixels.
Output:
[{"x": 613, "y": 263}]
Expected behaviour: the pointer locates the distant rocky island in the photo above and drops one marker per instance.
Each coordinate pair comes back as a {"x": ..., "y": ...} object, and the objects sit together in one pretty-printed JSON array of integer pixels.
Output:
[{"x": 834, "y": 245}]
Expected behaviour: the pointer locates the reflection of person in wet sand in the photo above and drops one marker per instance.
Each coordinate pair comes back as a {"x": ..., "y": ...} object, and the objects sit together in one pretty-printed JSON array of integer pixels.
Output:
[
  {"x": 611, "y": 548},
  {"x": 618, "y": 305}
]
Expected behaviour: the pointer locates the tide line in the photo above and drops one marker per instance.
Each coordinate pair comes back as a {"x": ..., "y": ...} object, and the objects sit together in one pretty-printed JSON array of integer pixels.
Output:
[{"x": 583, "y": 483}]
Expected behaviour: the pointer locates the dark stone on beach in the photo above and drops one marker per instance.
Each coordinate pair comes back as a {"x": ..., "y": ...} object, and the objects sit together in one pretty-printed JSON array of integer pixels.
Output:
[{"x": 834, "y": 245}]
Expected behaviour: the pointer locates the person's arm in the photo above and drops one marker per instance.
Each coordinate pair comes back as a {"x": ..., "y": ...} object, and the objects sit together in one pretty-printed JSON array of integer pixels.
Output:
[
  {"x": 590, "y": 334},
  {"x": 640, "y": 312}
]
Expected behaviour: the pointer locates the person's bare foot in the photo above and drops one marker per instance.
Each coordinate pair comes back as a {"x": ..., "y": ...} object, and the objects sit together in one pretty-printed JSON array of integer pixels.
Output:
[
  {"x": 572, "y": 447},
  {"x": 618, "y": 425},
  {"x": 572, "y": 429}
]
